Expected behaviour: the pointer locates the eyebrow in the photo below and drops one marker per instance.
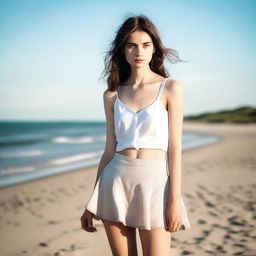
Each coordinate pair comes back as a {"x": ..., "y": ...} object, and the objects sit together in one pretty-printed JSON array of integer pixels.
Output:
[{"x": 136, "y": 44}]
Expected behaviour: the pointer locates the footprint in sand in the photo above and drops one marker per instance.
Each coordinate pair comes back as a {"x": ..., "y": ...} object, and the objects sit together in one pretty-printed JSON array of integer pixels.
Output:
[
  {"x": 209, "y": 204},
  {"x": 213, "y": 214},
  {"x": 186, "y": 252},
  {"x": 200, "y": 195},
  {"x": 188, "y": 195},
  {"x": 237, "y": 221},
  {"x": 200, "y": 221},
  {"x": 43, "y": 244}
]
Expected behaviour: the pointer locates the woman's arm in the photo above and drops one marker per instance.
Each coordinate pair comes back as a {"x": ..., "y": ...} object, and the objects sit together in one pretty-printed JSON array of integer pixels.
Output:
[
  {"x": 110, "y": 146},
  {"x": 175, "y": 122}
]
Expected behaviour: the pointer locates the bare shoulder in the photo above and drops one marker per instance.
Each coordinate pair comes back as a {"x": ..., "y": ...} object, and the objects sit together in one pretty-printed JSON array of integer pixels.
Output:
[
  {"x": 174, "y": 92},
  {"x": 173, "y": 86},
  {"x": 109, "y": 100},
  {"x": 108, "y": 95}
]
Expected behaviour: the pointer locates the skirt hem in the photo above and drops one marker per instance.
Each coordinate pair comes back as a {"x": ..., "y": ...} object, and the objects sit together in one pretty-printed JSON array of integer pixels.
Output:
[{"x": 133, "y": 226}]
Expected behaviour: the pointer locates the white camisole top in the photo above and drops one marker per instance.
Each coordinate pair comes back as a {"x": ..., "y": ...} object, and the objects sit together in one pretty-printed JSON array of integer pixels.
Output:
[{"x": 147, "y": 128}]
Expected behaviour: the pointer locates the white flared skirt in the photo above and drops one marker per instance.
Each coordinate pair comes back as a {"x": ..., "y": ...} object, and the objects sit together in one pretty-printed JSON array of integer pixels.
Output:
[{"x": 135, "y": 192}]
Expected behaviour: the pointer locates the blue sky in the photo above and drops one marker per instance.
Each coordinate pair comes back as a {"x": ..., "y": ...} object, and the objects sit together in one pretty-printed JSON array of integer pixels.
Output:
[{"x": 51, "y": 54}]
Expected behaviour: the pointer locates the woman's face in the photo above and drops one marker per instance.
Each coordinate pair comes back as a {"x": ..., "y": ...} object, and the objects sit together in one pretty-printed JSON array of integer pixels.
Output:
[{"x": 139, "y": 46}]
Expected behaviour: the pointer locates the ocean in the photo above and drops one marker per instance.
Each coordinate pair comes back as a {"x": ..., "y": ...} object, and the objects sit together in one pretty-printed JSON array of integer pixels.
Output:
[{"x": 31, "y": 150}]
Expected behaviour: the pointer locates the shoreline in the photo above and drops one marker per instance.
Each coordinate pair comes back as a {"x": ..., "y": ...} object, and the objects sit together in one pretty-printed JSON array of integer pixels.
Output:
[
  {"x": 5, "y": 183},
  {"x": 42, "y": 217}
]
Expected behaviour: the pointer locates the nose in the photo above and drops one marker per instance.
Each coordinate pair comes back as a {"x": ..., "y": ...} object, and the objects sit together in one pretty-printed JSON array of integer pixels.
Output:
[{"x": 139, "y": 51}]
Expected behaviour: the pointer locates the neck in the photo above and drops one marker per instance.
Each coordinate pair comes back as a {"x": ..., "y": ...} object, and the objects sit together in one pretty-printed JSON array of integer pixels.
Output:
[{"x": 140, "y": 75}]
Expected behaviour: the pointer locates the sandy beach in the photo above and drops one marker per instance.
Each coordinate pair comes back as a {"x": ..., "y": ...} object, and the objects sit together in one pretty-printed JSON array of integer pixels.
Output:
[{"x": 42, "y": 217}]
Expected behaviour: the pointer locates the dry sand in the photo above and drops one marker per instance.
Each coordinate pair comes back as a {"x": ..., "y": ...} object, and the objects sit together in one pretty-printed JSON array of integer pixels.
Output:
[{"x": 218, "y": 185}]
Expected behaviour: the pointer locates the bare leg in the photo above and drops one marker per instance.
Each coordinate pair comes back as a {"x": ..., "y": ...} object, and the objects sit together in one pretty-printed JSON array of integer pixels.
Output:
[
  {"x": 122, "y": 239},
  {"x": 155, "y": 242}
]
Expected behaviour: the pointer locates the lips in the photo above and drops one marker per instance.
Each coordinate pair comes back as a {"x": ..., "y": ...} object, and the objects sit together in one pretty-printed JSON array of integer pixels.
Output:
[{"x": 138, "y": 59}]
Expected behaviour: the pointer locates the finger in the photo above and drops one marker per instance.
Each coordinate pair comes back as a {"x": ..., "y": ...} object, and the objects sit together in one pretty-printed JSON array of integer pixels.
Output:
[
  {"x": 83, "y": 221},
  {"x": 174, "y": 226},
  {"x": 177, "y": 226},
  {"x": 89, "y": 227},
  {"x": 167, "y": 223},
  {"x": 89, "y": 222}
]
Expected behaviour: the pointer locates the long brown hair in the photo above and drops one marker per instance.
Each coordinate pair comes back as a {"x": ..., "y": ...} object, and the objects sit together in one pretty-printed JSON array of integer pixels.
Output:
[{"x": 116, "y": 66}]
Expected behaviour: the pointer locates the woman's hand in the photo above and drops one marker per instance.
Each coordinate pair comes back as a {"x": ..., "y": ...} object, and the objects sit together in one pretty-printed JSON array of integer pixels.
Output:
[
  {"x": 86, "y": 221},
  {"x": 173, "y": 215}
]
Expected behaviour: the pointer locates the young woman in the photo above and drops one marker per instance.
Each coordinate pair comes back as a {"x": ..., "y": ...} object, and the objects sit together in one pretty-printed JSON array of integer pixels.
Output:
[{"x": 138, "y": 184}]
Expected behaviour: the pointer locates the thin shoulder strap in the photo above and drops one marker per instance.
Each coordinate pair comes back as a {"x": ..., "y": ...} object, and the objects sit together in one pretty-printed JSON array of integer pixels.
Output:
[
  {"x": 117, "y": 93},
  {"x": 162, "y": 87}
]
